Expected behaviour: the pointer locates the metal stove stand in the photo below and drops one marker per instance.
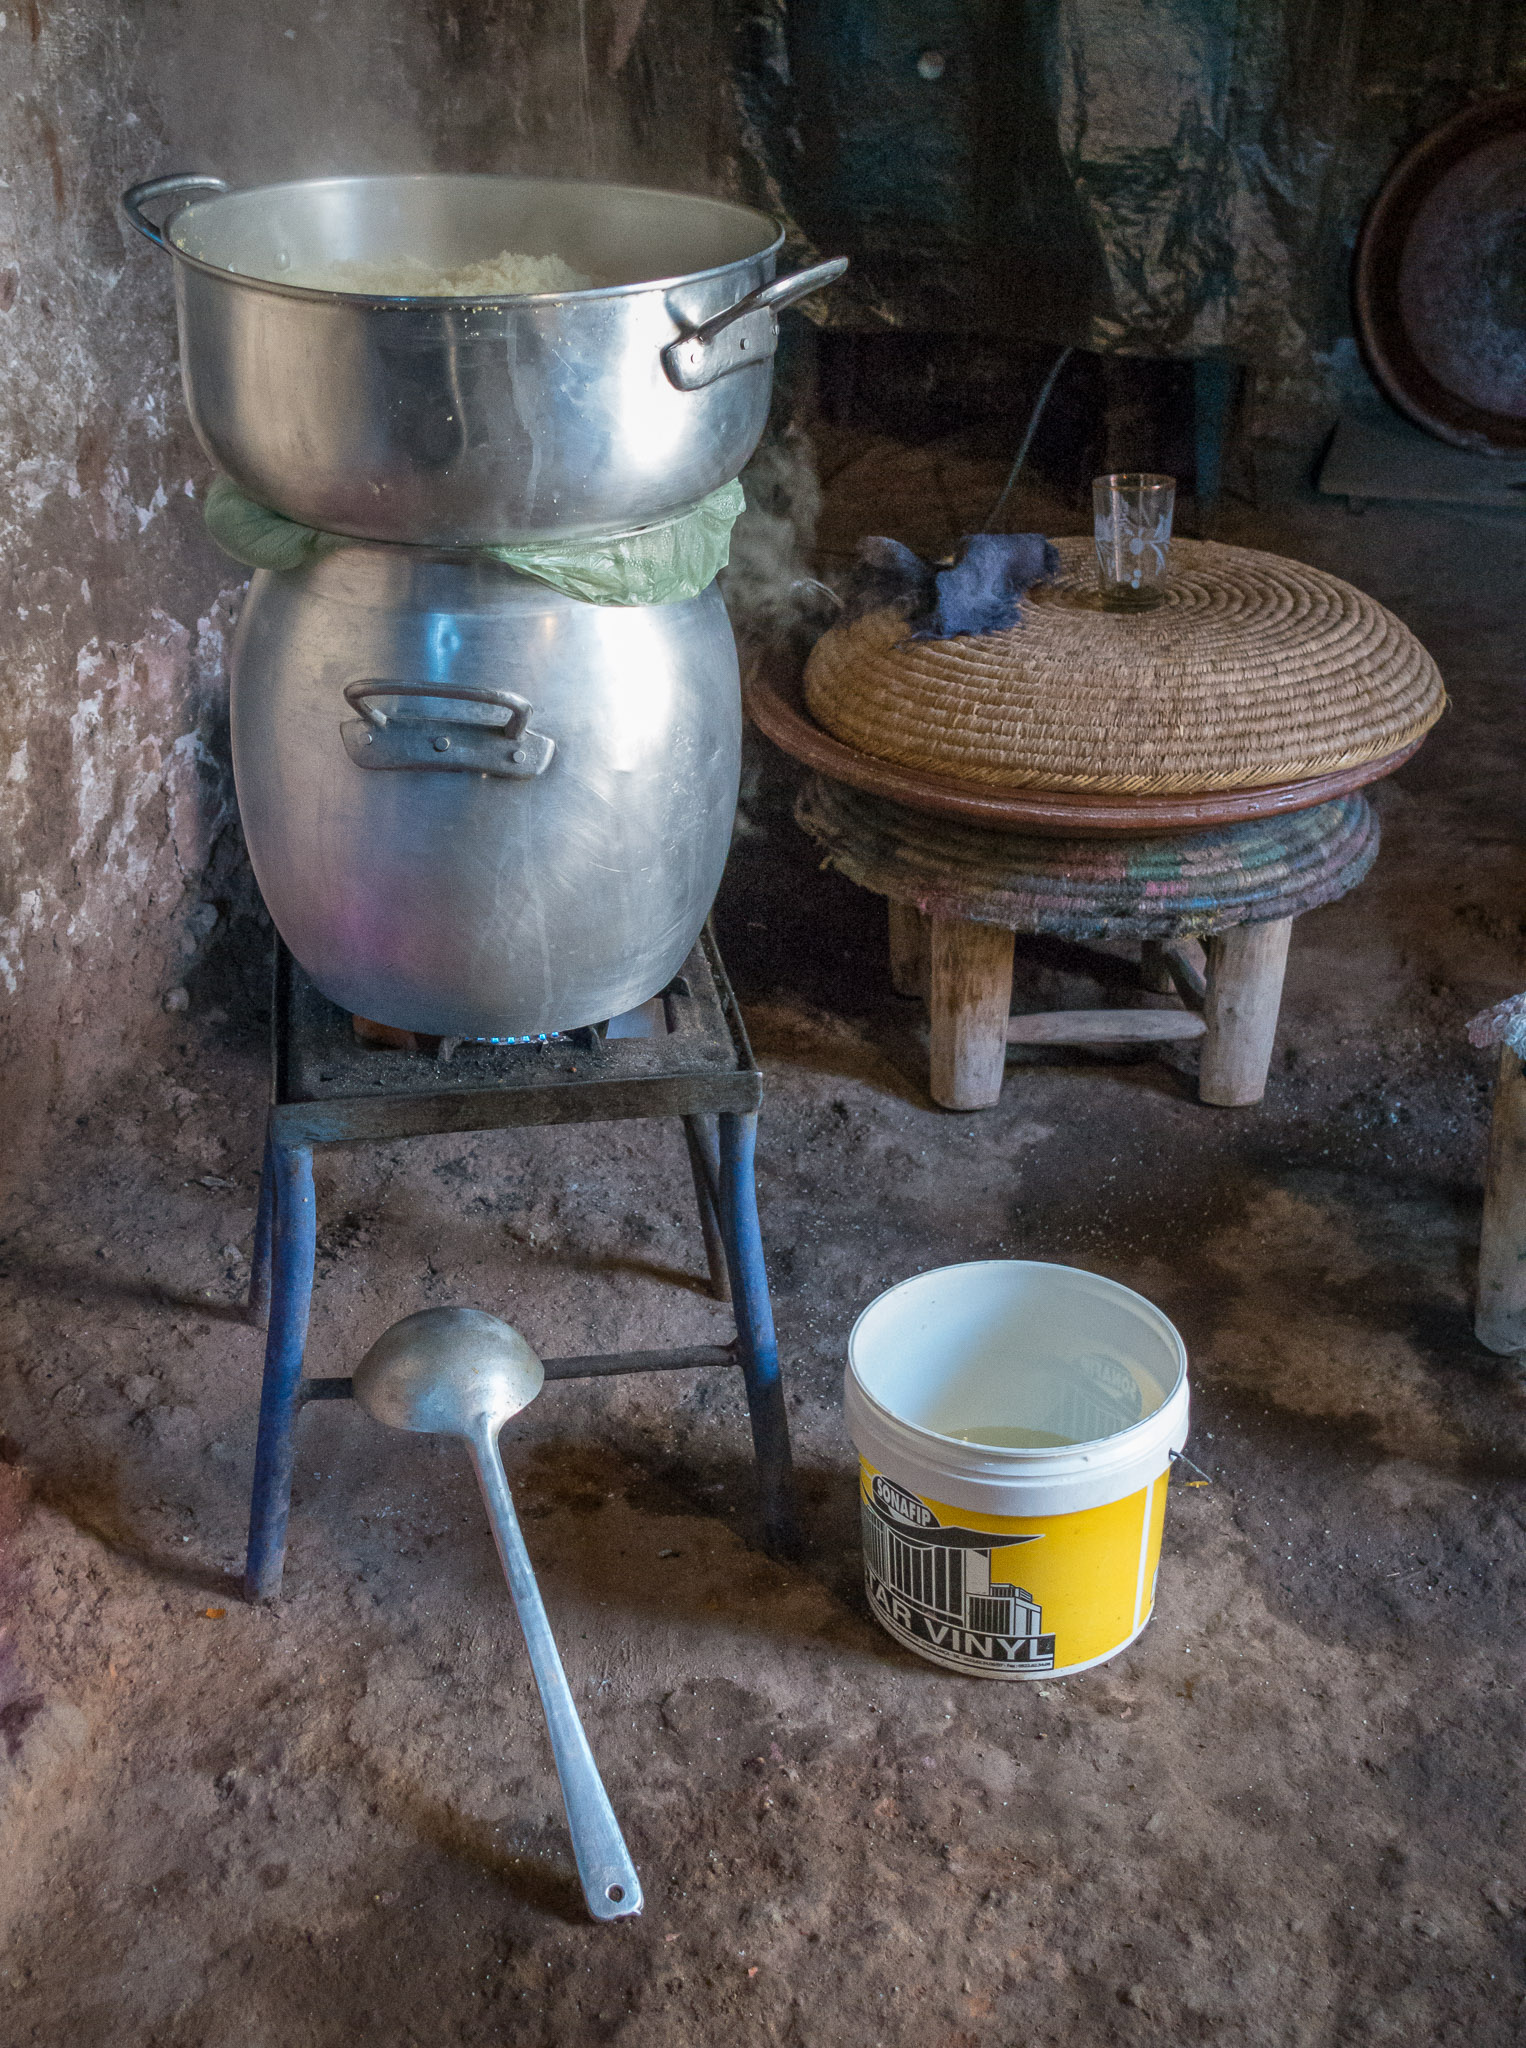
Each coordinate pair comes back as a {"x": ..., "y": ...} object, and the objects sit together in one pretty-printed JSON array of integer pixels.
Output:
[{"x": 329, "y": 1090}]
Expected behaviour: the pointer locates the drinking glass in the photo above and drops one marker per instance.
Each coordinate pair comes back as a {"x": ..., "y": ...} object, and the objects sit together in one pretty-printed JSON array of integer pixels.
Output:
[{"x": 1131, "y": 516}]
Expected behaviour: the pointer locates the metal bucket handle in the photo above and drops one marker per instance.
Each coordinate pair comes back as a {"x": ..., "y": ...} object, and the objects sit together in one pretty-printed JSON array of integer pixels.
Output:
[
  {"x": 745, "y": 333},
  {"x": 159, "y": 188},
  {"x": 375, "y": 740}
]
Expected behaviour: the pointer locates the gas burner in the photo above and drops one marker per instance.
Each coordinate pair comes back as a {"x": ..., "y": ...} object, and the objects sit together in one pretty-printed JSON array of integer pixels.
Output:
[{"x": 646, "y": 1020}]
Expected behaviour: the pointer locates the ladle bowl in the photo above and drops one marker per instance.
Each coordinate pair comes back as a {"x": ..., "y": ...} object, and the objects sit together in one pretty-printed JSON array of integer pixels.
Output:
[
  {"x": 443, "y": 1371},
  {"x": 461, "y": 1372}
]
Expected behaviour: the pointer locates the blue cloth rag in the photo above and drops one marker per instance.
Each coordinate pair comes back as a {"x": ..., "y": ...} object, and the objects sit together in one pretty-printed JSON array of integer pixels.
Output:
[{"x": 980, "y": 592}]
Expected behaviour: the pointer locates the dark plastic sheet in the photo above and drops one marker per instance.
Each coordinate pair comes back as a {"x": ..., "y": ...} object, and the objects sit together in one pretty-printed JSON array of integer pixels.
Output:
[{"x": 1164, "y": 177}]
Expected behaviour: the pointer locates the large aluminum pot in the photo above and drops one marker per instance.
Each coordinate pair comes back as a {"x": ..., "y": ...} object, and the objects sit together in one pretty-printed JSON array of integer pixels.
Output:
[
  {"x": 475, "y": 806},
  {"x": 454, "y": 422}
]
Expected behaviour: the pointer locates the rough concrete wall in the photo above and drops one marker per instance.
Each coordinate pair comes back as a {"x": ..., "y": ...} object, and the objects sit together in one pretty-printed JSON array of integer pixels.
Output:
[
  {"x": 120, "y": 860},
  {"x": 113, "y": 794}
]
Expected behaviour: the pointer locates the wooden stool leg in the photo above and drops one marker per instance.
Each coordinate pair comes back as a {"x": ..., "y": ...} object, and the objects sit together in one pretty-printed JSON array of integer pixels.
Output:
[
  {"x": 1500, "y": 1316},
  {"x": 970, "y": 997},
  {"x": 1154, "y": 970},
  {"x": 1245, "y": 967},
  {"x": 909, "y": 940}
]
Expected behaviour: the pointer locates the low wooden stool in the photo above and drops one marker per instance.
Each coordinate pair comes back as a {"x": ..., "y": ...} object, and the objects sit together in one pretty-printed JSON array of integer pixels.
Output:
[{"x": 1213, "y": 912}]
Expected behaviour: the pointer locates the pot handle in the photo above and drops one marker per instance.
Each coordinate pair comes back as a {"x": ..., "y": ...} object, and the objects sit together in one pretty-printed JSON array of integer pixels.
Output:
[
  {"x": 745, "y": 333},
  {"x": 159, "y": 188},
  {"x": 377, "y": 740}
]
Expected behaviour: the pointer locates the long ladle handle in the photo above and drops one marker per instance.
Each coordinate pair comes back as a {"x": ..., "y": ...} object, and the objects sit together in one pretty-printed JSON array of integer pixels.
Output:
[{"x": 608, "y": 1875}]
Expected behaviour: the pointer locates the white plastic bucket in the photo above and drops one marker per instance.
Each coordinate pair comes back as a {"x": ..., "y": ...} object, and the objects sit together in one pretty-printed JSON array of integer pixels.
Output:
[{"x": 1031, "y": 1550}]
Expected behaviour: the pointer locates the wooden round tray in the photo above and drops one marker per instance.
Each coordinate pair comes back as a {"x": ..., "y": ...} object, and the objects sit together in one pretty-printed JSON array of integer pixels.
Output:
[{"x": 772, "y": 696}]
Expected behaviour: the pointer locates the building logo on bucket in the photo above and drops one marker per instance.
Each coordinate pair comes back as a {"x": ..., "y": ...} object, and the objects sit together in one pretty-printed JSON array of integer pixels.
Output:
[{"x": 931, "y": 1583}]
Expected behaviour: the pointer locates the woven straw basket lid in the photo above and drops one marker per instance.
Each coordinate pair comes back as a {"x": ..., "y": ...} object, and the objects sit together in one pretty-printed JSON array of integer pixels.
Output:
[{"x": 1254, "y": 670}]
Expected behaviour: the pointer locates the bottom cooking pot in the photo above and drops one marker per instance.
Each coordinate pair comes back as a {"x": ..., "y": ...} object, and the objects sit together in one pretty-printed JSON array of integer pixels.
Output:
[{"x": 476, "y": 807}]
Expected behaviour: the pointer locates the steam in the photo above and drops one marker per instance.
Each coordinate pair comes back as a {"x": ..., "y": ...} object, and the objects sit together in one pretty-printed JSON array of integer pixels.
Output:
[
  {"x": 548, "y": 88},
  {"x": 769, "y": 585}
]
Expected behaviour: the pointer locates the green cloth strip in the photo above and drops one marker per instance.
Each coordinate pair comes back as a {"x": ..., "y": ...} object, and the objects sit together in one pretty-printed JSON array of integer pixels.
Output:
[{"x": 661, "y": 564}]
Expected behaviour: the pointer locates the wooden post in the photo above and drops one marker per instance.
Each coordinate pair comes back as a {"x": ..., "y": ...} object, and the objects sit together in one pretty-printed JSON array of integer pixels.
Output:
[
  {"x": 910, "y": 933},
  {"x": 1500, "y": 1316},
  {"x": 1245, "y": 967},
  {"x": 1174, "y": 967},
  {"x": 970, "y": 996},
  {"x": 1154, "y": 974}
]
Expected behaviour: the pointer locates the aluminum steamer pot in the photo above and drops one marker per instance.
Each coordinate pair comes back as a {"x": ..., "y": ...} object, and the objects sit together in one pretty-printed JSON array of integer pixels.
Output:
[
  {"x": 456, "y": 422},
  {"x": 474, "y": 806}
]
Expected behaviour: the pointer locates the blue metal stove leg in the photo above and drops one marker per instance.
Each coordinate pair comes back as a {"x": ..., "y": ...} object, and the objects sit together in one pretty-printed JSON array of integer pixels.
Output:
[
  {"x": 259, "y": 1258},
  {"x": 295, "y": 1240},
  {"x": 755, "y": 1332},
  {"x": 704, "y": 1163}
]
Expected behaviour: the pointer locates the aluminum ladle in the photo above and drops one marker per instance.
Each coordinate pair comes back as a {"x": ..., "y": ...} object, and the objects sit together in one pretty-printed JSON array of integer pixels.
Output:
[{"x": 461, "y": 1372}]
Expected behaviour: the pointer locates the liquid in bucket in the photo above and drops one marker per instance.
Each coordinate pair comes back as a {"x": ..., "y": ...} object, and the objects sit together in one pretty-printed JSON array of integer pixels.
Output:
[{"x": 1014, "y": 1422}]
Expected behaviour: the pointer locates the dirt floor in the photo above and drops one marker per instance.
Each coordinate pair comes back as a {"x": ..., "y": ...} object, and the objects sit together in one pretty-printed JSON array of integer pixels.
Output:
[{"x": 1288, "y": 1815}]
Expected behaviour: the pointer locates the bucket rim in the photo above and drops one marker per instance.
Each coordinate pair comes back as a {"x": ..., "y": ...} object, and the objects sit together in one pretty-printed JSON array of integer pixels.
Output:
[{"x": 1028, "y": 1458}]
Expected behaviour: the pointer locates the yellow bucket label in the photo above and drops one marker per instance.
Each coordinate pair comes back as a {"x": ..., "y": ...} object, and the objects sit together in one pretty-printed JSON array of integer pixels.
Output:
[{"x": 1010, "y": 1597}]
